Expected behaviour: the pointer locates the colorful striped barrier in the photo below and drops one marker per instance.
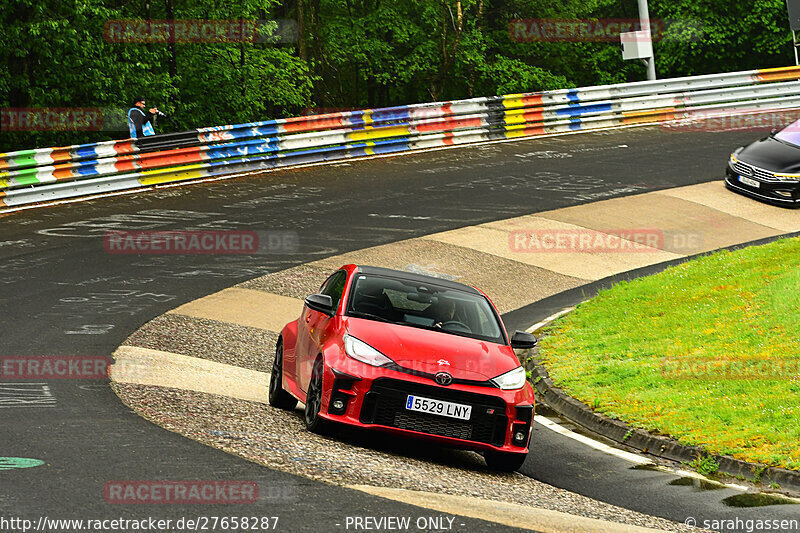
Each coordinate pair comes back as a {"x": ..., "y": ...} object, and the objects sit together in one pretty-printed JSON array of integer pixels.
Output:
[{"x": 47, "y": 174}]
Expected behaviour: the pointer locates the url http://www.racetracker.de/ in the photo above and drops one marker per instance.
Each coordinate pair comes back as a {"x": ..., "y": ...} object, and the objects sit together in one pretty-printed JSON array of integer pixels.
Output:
[
  {"x": 745, "y": 525},
  {"x": 119, "y": 525}
]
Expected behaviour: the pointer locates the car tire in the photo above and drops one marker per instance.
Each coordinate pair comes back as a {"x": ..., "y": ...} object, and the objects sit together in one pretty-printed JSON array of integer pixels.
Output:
[
  {"x": 314, "y": 422},
  {"x": 278, "y": 397},
  {"x": 503, "y": 461}
]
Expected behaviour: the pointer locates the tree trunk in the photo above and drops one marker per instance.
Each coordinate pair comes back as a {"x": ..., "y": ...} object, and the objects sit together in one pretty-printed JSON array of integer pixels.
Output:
[
  {"x": 173, "y": 53},
  {"x": 478, "y": 27},
  {"x": 301, "y": 31}
]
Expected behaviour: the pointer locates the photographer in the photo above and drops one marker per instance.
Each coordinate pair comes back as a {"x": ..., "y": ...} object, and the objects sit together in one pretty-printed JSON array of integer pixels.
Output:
[{"x": 141, "y": 122}]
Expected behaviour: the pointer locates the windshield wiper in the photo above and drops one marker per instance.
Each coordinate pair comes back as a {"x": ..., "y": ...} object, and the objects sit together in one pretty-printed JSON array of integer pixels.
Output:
[{"x": 360, "y": 314}]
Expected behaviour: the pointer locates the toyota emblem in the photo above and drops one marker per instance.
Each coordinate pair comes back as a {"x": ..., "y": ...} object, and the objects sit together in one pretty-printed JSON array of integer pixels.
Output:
[{"x": 443, "y": 378}]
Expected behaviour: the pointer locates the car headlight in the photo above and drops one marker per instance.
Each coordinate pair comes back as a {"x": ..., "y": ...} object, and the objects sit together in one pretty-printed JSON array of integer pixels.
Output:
[
  {"x": 361, "y": 351},
  {"x": 787, "y": 177},
  {"x": 735, "y": 159},
  {"x": 513, "y": 379}
]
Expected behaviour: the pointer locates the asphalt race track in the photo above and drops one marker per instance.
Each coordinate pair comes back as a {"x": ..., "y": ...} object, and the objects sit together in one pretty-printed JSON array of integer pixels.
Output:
[{"x": 63, "y": 294}]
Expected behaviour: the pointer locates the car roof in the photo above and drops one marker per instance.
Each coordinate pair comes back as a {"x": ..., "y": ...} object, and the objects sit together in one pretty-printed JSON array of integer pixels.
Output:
[{"x": 420, "y": 278}]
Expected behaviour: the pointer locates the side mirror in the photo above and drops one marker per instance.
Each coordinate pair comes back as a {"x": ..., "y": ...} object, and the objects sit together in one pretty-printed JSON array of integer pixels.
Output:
[
  {"x": 523, "y": 341},
  {"x": 320, "y": 302}
]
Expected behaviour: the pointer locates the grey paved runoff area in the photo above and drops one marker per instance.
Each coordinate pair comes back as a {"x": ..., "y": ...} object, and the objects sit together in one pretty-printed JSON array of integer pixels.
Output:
[
  {"x": 278, "y": 439},
  {"x": 62, "y": 294}
]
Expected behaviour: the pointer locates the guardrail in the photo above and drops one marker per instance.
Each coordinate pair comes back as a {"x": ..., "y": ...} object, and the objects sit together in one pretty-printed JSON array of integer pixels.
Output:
[{"x": 47, "y": 174}]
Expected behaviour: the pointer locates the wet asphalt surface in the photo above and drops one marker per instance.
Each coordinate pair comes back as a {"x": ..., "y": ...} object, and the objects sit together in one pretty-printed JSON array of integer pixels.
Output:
[{"x": 62, "y": 293}]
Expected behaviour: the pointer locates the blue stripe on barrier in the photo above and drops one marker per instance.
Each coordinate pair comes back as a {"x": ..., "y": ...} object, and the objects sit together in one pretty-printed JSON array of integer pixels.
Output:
[
  {"x": 572, "y": 95},
  {"x": 392, "y": 113},
  {"x": 243, "y": 148},
  {"x": 85, "y": 150},
  {"x": 580, "y": 109},
  {"x": 89, "y": 169}
]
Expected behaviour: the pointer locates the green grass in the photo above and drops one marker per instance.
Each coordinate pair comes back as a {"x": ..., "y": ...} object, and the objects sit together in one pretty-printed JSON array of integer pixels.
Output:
[{"x": 707, "y": 352}]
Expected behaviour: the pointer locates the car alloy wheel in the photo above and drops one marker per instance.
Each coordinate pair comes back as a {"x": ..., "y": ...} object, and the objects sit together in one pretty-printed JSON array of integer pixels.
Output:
[
  {"x": 314, "y": 422},
  {"x": 277, "y": 396}
]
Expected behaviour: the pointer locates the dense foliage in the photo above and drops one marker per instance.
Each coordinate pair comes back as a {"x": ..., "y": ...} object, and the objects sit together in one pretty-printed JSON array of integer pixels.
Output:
[{"x": 346, "y": 54}]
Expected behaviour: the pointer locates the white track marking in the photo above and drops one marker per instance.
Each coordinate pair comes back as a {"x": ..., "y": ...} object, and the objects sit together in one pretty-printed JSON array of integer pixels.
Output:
[
  {"x": 605, "y": 448},
  {"x": 610, "y": 450},
  {"x": 548, "y": 320}
]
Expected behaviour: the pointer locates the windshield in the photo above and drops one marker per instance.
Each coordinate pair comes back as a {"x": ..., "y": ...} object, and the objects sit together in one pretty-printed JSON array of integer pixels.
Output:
[
  {"x": 790, "y": 134},
  {"x": 424, "y": 305}
]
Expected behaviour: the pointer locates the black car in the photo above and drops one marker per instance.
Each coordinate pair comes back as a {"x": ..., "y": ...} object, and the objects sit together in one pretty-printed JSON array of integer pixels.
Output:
[{"x": 768, "y": 169}]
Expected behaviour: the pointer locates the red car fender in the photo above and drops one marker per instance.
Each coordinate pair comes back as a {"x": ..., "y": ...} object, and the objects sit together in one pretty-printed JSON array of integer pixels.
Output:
[
  {"x": 289, "y": 339},
  {"x": 332, "y": 352}
]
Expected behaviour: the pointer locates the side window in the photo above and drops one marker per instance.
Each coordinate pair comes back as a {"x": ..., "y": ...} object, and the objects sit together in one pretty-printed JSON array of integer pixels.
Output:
[{"x": 334, "y": 287}]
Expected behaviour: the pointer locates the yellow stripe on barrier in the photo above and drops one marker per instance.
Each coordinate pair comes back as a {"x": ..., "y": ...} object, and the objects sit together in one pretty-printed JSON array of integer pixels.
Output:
[
  {"x": 651, "y": 115},
  {"x": 778, "y": 74},
  {"x": 367, "y": 116},
  {"x": 513, "y": 101},
  {"x": 378, "y": 133},
  {"x": 188, "y": 172}
]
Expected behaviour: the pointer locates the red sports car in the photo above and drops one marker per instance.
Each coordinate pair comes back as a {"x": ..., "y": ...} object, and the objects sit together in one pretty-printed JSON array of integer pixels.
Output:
[{"x": 407, "y": 353}]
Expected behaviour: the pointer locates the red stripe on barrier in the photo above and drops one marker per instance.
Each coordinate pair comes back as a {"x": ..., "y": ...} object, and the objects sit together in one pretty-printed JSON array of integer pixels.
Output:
[
  {"x": 63, "y": 173},
  {"x": 124, "y": 147},
  {"x": 534, "y": 131},
  {"x": 450, "y": 124},
  {"x": 534, "y": 99},
  {"x": 174, "y": 157},
  {"x": 125, "y": 165},
  {"x": 448, "y": 138},
  {"x": 531, "y": 116},
  {"x": 61, "y": 154},
  {"x": 310, "y": 125}
]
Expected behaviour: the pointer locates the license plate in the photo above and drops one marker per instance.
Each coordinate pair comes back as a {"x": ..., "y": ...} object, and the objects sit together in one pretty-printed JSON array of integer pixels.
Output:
[
  {"x": 438, "y": 407},
  {"x": 750, "y": 182}
]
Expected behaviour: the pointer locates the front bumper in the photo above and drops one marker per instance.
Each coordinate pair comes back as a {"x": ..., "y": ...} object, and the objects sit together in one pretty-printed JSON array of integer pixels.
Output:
[
  {"x": 376, "y": 397},
  {"x": 776, "y": 193}
]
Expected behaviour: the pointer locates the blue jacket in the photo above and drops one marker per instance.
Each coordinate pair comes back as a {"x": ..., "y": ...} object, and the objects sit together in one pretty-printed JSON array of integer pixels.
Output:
[{"x": 140, "y": 123}]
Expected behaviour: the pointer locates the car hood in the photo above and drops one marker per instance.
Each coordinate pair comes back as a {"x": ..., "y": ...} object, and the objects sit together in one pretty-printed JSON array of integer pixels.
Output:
[
  {"x": 771, "y": 154},
  {"x": 429, "y": 351}
]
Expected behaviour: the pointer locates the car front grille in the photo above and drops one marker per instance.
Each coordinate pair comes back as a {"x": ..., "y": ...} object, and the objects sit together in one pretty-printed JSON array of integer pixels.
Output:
[
  {"x": 385, "y": 402},
  {"x": 749, "y": 171}
]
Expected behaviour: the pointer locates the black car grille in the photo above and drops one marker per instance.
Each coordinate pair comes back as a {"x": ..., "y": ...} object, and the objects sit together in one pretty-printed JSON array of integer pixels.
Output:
[
  {"x": 750, "y": 171},
  {"x": 385, "y": 403}
]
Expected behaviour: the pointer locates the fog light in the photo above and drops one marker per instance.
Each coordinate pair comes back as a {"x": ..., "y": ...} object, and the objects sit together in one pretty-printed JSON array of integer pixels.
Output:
[
  {"x": 519, "y": 436},
  {"x": 338, "y": 405}
]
